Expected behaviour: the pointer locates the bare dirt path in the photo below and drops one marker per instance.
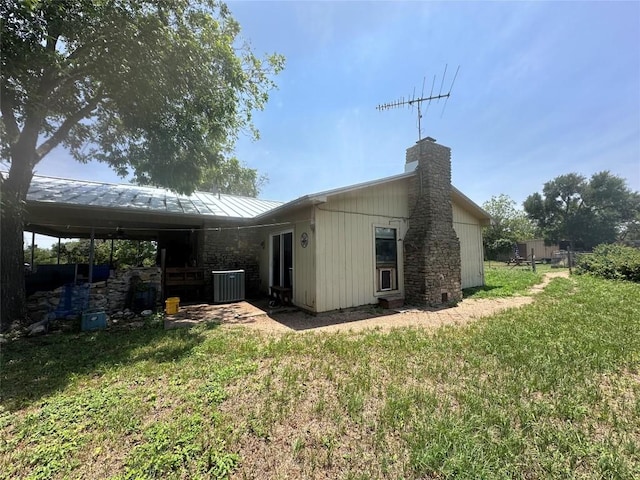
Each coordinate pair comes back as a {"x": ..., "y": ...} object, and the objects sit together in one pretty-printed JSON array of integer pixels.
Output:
[{"x": 277, "y": 321}]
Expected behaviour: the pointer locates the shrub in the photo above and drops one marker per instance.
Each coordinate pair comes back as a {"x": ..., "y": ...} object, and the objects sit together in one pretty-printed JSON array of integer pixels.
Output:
[{"x": 611, "y": 261}]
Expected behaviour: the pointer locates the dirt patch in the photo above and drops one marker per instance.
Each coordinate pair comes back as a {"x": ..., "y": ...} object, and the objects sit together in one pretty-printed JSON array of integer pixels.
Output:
[{"x": 282, "y": 320}]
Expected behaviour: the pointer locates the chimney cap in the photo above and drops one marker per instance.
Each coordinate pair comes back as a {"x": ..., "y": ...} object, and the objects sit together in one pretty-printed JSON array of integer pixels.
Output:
[{"x": 430, "y": 139}]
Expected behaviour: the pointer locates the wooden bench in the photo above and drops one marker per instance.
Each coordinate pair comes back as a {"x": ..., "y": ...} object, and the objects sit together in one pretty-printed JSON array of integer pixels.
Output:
[
  {"x": 518, "y": 261},
  {"x": 187, "y": 280},
  {"x": 281, "y": 294}
]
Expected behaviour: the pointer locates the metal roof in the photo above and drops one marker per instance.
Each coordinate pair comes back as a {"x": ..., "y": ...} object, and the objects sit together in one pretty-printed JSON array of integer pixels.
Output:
[{"x": 140, "y": 199}]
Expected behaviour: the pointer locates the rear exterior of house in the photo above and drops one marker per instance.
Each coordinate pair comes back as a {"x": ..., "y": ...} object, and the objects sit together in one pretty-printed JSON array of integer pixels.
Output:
[
  {"x": 345, "y": 248},
  {"x": 412, "y": 235}
]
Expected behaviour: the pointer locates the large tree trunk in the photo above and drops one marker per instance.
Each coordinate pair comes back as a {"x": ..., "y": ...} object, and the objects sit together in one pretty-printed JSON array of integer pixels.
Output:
[
  {"x": 13, "y": 190},
  {"x": 13, "y": 307}
]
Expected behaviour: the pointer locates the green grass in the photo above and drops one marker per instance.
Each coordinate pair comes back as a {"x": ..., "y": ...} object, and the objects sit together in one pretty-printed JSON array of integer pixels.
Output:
[
  {"x": 505, "y": 281},
  {"x": 550, "y": 390}
]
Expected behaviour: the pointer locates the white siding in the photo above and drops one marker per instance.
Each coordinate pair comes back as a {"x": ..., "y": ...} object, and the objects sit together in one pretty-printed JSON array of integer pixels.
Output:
[
  {"x": 345, "y": 266},
  {"x": 304, "y": 271},
  {"x": 469, "y": 233},
  {"x": 337, "y": 269}
]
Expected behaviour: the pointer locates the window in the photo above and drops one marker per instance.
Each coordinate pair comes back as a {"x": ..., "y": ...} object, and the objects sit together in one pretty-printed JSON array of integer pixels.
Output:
[{"x": 386, "y": 259}]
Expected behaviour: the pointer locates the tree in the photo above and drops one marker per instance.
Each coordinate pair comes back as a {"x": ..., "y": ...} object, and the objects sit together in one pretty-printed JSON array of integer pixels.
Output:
[
  {"x": 585, "y": 213},
  {"x": 40, "y": 256},
  {"x": 509, "y": 225},
  {"x": 160, "y": 89},
  {"x": 231, "y": 177},
  {"x": 125, "y": 252}
]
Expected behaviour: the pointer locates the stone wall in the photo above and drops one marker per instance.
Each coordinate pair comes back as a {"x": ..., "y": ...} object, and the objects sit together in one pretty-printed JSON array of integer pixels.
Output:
[
  {"x": 432, "y": 269},
  {"x": 110, "y": 296},
  {"x": 121, "y": 286},
  {"x": 233, "y": 249}
]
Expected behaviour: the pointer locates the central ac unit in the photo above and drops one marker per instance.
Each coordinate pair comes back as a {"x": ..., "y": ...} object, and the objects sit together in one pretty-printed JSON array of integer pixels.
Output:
[{"x": 228, "y": 286}]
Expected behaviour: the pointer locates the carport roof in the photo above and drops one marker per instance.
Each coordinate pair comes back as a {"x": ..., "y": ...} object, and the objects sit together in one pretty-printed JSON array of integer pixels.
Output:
[
  {"x": 73, "y": 208},
  {"x": 154, "y": 200}
]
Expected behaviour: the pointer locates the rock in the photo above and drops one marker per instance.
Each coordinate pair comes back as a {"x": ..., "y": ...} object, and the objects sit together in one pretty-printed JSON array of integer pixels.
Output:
[
  {"x": 136, "y": 324},
  {"x": 39, "y": 327},
  {"x": 37, "y": 330},
  {"x": 3, "y": 339},
  {"x": 146, "y": 313}
]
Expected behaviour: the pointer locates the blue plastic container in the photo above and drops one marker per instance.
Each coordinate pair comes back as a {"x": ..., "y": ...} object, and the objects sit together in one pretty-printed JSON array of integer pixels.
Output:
[{"x": 94, "y": 321}]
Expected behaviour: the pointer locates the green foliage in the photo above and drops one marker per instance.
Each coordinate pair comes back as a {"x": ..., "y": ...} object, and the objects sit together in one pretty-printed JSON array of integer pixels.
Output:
[
  {"x": 509, "y": 225},
  {"x": 616, "y": 262},
  {"x": 165, "y": 86},
  {"x": 126, "y": 253},
  {"x": 583, "y": 212},
  {"x": 231, "y": 177},
  {"x": 498, "y": 246},
  {"x": 40, "y": 255}
]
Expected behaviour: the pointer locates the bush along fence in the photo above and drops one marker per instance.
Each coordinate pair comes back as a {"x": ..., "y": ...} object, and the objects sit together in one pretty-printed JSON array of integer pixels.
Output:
[{"x": 616, "y": 262}]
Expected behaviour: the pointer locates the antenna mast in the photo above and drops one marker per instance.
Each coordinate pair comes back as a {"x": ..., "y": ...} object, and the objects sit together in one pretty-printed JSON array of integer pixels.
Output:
[{"x": 410, "y": 102}]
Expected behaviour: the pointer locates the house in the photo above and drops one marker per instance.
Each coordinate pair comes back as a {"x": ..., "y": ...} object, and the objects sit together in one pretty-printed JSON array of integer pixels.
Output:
[{"x": 412, "y": 235}]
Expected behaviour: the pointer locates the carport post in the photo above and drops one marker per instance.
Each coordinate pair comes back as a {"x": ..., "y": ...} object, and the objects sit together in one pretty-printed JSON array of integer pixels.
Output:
[
  {"x": 91, "y": 245},
  {"x": 58, "y": 250},
  {"x": 33, "y": 249}
]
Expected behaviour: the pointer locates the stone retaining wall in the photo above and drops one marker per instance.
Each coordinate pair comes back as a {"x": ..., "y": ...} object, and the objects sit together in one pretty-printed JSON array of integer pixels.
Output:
[{"x": 110, "y": 296}]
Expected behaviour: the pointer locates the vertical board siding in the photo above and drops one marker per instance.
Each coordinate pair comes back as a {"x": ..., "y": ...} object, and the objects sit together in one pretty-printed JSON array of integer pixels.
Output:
[
  {"x": 469, "y": 233},
  {"x": 304, "y": 276},
  {"x": 337, "y": 269},
  {"x": 304, "y": 260},
  {"x": 540, "y": 249},
  {"x": 345, "y": 275}
]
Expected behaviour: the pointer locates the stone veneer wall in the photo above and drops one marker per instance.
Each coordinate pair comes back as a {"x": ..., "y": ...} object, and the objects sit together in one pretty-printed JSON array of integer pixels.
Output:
[
  {"x": 110, "y": 296},
  {"x": 432, "y": 270},
  {"x": 233, "y": 249}
]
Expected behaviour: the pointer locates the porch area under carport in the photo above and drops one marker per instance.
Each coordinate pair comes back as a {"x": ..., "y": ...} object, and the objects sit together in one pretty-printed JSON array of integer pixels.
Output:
[{"x": 179, "y": 225}]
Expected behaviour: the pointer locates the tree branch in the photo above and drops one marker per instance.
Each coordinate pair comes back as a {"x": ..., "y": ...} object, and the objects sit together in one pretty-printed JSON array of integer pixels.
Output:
[{"x": 66, "y": 127}]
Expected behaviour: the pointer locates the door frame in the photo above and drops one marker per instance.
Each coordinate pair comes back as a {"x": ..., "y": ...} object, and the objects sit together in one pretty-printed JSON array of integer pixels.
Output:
[{"x": 293, "y": 256}]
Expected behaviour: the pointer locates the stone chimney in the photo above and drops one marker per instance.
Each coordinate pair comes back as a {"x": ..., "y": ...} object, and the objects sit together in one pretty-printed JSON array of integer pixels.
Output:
[{"x": 431, "y": 246}]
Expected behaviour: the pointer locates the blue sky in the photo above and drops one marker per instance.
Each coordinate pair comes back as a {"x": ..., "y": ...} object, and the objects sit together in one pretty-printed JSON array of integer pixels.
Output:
[{"x": 545, "y": 88}]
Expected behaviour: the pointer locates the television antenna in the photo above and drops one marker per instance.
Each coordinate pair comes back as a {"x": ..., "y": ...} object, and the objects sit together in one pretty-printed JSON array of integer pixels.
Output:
[{"x": 418, "y": 101}]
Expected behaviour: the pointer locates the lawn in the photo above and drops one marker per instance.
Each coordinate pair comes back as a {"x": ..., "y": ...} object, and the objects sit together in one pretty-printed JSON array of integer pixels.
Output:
[
  {"x": 502, "y": 280},
  {"x": 550, "y": 390}
]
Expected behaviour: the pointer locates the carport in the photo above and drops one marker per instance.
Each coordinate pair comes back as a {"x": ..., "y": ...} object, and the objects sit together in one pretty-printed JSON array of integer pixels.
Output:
[{"x": 66, "y": 208}]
